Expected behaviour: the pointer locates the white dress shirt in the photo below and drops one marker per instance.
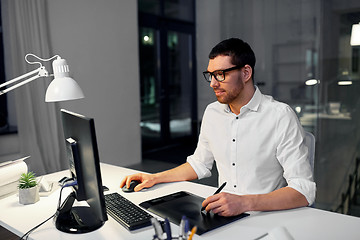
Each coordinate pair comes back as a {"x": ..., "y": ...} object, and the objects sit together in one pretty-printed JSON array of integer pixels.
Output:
[{"x": 258, "y": 151}]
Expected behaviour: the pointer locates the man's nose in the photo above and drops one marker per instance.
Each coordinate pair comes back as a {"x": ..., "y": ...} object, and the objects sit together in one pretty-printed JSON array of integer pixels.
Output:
[{"x": 214, "y": 83}]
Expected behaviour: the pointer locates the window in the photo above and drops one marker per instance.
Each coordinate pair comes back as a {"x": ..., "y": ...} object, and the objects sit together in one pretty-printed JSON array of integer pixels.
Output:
[{"x": 167, "y": 73}]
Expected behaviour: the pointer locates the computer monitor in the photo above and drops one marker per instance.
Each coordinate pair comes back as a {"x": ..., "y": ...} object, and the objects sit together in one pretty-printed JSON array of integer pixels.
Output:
[{"x": 84, "y": 165}]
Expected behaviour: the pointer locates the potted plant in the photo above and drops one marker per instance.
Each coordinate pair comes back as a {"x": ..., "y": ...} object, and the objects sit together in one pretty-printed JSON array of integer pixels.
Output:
[{"x": 28, "y": 189}]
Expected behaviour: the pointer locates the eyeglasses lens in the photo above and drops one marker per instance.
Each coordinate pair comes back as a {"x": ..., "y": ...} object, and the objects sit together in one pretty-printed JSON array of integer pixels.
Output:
[{"x": 219, "y": 76}]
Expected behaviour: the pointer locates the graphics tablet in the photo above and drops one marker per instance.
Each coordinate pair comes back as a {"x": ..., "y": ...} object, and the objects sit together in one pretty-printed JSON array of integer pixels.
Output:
[{"x": 176, "y": 205}]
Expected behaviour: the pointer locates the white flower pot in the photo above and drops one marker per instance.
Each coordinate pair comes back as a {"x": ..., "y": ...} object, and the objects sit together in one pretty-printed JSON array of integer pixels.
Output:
[{"x": 29, "y": 195}]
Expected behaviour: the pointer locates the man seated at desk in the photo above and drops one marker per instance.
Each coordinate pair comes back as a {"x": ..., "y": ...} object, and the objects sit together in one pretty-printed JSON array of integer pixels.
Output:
[{"x": 257, "y": 143}]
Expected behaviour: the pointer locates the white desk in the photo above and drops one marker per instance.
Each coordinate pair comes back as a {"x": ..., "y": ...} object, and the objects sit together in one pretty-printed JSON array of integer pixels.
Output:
[{"x": 303, "y": 223}]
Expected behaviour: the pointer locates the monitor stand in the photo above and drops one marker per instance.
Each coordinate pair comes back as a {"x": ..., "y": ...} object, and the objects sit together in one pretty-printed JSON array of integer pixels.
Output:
[{"x": 75, "y": 219}]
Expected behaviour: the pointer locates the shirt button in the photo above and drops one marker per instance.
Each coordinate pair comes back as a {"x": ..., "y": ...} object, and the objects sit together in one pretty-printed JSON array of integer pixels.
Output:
[
  {"x": 233, "y": 164},
  {"x": 237, "y": 117},
  {"x": 234, "y": 186},
  {"x": 233, "y": 140}
]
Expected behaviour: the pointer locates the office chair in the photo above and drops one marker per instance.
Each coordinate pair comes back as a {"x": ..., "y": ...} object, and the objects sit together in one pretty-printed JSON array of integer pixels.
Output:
[{"x": 310, "y": 143}]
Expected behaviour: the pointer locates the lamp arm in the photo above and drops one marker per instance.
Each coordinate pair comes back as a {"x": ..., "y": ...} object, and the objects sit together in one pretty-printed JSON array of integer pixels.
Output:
[{"x": 40, "y": 72}]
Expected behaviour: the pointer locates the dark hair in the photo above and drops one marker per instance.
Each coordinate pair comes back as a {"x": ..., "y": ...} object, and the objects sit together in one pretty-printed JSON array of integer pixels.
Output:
[{"x": 239, "y": 51}]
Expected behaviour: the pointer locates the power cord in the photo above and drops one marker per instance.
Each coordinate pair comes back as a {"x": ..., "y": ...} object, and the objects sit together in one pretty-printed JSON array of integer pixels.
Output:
[{"x": 26, "y": 235}]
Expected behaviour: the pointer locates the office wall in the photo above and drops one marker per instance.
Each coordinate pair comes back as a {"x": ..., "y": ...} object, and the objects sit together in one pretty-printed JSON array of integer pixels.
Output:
[
  {"x": 207, "y": 36},
  {"x": 99, "y": 39}
]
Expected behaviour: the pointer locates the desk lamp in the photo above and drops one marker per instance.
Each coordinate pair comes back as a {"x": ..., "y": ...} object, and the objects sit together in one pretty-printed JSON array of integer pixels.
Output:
[{"x": 62, "y": 88}]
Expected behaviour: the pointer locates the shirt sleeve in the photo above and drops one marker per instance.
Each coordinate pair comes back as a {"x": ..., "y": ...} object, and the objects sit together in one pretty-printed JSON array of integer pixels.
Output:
[
  {"x": 292, "y": 153},
  {"x": 202, "y": 160}
]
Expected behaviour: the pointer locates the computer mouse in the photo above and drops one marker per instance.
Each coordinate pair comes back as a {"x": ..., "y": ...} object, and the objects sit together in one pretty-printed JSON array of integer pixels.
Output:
[{"x": 133, "y": 184}]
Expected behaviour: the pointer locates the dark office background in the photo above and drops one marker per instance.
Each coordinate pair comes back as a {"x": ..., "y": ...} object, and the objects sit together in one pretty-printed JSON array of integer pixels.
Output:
[{"x": 294, "y": 41}]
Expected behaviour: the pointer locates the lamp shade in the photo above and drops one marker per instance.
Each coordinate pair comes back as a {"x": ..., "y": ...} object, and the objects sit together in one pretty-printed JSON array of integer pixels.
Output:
[
  {"x": 63, "y": 87},
  {"x": 355, "y": 35}
]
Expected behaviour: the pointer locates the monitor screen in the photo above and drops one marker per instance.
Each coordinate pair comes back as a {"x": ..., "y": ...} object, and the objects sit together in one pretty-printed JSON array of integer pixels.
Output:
[{"x": 84, "y": 165}]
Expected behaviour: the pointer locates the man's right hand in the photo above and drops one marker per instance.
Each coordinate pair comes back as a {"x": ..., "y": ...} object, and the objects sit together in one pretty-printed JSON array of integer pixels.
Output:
[
  {"x": 146, "y": 181},
  {"x": 183, "y": 172}
]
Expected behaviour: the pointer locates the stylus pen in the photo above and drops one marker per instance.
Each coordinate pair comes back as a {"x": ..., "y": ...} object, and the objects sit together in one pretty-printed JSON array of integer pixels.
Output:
[{"x": 217, "y": 191}]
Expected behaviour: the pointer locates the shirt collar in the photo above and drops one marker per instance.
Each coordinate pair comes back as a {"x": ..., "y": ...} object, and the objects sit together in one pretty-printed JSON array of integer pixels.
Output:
[
  {"x": 255, "y": 101},
  {"x": 252, "y": 105}
]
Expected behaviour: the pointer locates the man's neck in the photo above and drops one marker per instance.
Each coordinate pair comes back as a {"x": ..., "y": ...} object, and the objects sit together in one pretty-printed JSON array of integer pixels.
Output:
[{"x": 243, "y": 99}]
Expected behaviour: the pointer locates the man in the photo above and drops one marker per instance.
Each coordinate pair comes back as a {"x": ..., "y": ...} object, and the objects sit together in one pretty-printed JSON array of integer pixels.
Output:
[{"x": 257, "y": 143}]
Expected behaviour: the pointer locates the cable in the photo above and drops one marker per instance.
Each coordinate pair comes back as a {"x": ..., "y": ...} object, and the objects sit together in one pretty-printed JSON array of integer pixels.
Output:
[
  {"x": 34, "y": 228},
  {"x": 70, "y": 184},
  {"x": 26, "y": 235},
  {"x": 64, "y": 186},
  {"x": 41, "y": 59}
]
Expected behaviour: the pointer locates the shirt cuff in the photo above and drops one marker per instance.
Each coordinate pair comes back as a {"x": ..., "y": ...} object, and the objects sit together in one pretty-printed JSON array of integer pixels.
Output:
[
  {"x": 306, "y": 188},
  {"x": 201, "y": 170}
]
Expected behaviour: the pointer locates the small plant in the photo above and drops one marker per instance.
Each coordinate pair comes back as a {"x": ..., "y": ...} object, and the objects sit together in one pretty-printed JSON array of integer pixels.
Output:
[{"x": 27, "y": 180}]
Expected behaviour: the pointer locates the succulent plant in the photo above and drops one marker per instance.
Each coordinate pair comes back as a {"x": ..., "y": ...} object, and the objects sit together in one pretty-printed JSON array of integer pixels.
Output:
[{"x": 27, "y": 180}]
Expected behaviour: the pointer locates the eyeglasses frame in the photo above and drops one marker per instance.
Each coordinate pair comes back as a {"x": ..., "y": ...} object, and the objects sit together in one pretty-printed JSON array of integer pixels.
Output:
[{"x": 223, "y": 72}]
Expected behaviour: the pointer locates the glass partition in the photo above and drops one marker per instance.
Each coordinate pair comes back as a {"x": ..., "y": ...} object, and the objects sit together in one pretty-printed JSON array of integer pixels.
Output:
[
  {"x": 180, "y": 78},
  {"x": 304, "y": 58}
]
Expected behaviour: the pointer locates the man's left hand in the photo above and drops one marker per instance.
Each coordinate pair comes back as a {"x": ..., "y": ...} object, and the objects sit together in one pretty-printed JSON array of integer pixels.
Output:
[{"x": 226, "y": 204}]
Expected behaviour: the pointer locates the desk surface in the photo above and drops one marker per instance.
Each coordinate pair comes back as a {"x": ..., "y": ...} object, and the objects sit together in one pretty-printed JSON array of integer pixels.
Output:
[{"x": 302, "y": 223}]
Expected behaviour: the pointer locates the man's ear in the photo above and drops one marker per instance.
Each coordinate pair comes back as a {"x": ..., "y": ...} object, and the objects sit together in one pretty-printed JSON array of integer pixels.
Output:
[{"x": 247, "y": 73}]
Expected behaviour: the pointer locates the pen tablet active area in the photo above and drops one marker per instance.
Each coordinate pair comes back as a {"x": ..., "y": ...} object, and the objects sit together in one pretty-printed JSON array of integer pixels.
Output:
[{"x": 176, "y": 205}]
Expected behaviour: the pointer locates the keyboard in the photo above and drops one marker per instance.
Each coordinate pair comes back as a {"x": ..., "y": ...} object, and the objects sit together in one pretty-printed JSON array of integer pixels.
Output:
[{"x": 126, "y": 212}]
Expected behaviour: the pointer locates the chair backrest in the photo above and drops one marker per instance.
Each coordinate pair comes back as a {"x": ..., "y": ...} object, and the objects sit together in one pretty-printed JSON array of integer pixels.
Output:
[{"x": 310, "y": 143}]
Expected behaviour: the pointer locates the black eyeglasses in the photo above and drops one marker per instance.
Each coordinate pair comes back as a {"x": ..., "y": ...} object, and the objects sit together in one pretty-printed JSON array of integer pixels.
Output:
[{"x": 219, "y": 75}]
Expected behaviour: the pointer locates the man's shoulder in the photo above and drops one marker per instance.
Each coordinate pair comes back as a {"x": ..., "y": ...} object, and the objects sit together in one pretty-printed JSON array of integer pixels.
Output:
[
  {"x": 275, "y": 105},
  {"x": 278, "y": 110}
]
